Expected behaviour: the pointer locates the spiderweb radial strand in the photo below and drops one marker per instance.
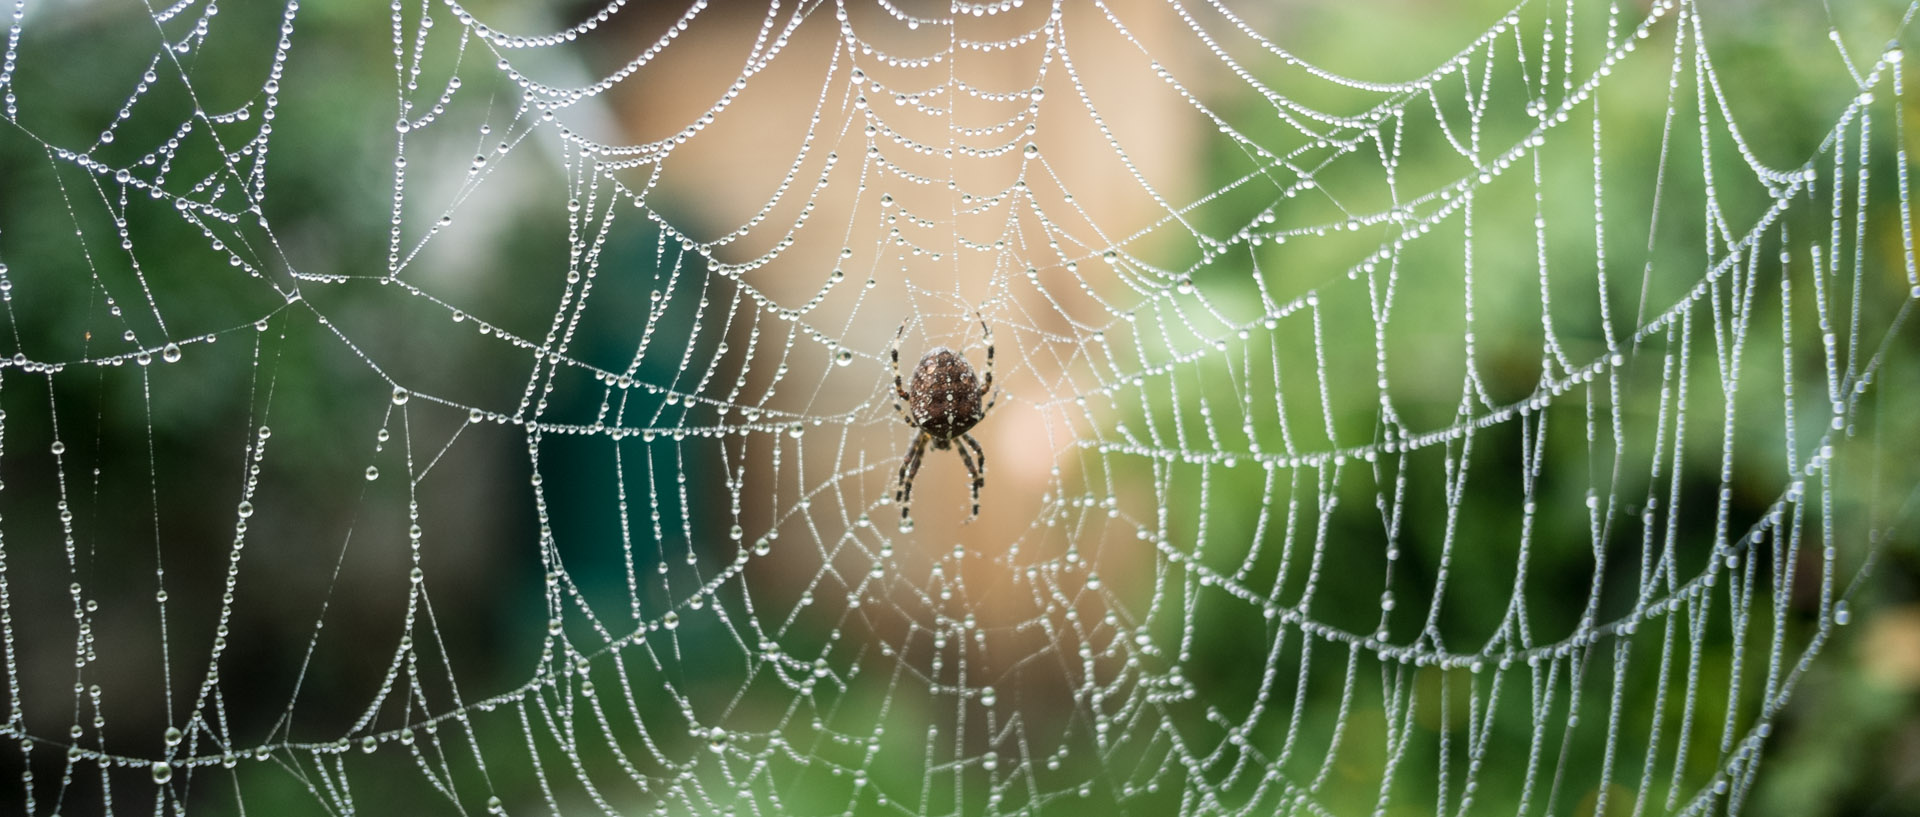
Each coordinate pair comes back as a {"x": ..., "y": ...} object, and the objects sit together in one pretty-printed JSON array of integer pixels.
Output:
[{"x": 1494, "y": 416}]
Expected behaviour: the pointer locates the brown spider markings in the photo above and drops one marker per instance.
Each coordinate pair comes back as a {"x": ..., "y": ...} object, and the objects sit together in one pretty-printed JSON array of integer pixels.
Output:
[{"x": 944, "y": 403}]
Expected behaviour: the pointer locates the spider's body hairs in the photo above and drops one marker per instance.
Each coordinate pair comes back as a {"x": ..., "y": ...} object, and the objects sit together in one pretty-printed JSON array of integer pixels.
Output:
[
  {"x": 946, "y": 396},
  {"x": 945, "y": 402}
]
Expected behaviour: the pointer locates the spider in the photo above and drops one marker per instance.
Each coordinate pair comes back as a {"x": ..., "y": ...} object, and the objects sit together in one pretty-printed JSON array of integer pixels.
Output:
[{"x": 943, "y": 404}]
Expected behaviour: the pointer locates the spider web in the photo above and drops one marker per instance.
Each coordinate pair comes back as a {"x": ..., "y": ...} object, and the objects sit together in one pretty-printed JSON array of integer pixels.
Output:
[{"x": 1501, "y": 438}]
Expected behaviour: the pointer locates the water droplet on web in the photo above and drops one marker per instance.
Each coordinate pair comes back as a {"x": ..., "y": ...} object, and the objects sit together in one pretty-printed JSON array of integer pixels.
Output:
[
  {"x": 171, "y": 353},
  {"x": 736, "y": 533},
  {"x": 1032, "y": 150},
  {"x": 671, "y": 620},
  {"x": 162, "y": 771},
  {"x": 843, "y": 357},
  {"x": 494, "y": 805},
  {"x": 368, "y": 744},
  {"x": 246, "y": 509},
  {"x": 906, "y": 524},
  {"x": 372, "y": 473},
  {"x": 717, "y": 740},
  {"x": 403, "y": 126},
  {"x": 1842, "y": 614},
  {"x": 400, "y": 396},
  {"x": 173, "y": 736}
]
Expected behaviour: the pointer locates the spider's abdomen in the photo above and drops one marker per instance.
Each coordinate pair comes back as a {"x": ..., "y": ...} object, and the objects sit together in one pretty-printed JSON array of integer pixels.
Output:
[{"x": 946, "y": 395}]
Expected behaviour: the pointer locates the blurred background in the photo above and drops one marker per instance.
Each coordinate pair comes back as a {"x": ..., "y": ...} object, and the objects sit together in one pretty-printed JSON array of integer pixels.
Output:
[{"x": 345, "y": 467}]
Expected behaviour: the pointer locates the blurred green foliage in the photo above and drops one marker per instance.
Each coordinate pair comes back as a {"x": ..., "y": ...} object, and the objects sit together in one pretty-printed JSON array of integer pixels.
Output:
[{"x": 1847, "y": 743}]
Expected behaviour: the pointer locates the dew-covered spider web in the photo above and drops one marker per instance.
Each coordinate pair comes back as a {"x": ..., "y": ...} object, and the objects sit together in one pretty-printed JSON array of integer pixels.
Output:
[{"x": 1403, "y": 407}]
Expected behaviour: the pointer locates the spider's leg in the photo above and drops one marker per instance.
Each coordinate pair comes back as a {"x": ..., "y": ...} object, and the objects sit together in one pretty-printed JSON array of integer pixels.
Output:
[
  {"x": 900, "y": 395},
  {"x": 986, "y": 384},
  {"x": 975, "y": 470},
  {"x": 979, "y": 453},
  {"x": 909, "y": 468},
  {"x": 980, "y": 477}
]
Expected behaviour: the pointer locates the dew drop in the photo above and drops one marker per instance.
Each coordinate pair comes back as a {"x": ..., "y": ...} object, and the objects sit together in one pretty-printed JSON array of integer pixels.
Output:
[
  {"x": 372, "y": 473},
  {"x": 671, "y": 620},
  {"x": 400, "y": 396},
  {"x": 162, "y": 771},
  {"x": 171, "y": 353}
]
